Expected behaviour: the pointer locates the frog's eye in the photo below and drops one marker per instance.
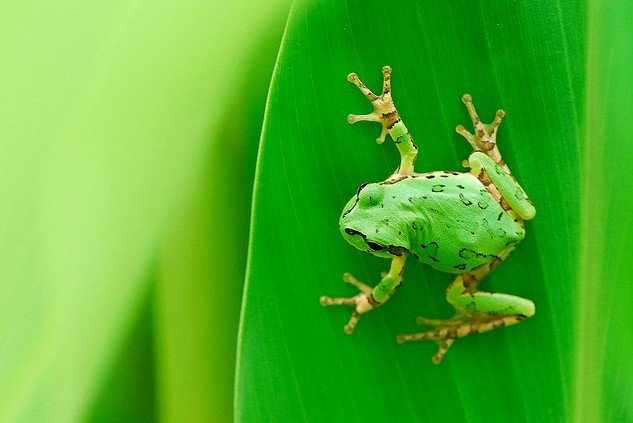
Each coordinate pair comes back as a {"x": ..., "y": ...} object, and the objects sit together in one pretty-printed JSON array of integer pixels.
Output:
[
  {"x": 374, "y": 246},
  {"x": 371, "y": 195},
  {"x": 350, "y": 231}
]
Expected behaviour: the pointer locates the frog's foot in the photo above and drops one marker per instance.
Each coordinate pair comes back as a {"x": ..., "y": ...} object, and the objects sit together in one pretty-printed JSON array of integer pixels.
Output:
[
  {"x": 485, "y": 137},
  {"x": 385, "y": 111},
  {"x": 362, "y": 302},
  {"x": 446, "y": 331}
]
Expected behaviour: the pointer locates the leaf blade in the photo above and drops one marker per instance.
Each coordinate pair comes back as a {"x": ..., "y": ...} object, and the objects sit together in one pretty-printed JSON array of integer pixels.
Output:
[{"x": 294, "y": 360}]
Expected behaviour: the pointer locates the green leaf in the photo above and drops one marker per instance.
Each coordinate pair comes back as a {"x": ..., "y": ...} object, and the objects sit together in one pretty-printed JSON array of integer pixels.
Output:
[{"x": 295, "y": 362}]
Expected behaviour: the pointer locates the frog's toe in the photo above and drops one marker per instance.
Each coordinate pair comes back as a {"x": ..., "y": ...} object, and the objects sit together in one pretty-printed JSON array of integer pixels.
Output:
[
  {"x": 350, "y": 279},
  {"x": 469, "y": 137},
  {"x": 370, "y": 117},
  {"x": 351, "y": 325},
  {"x": 360, "y": 302},
  {"x": 429, "y": 322},
  {"x": 442, "y": 336},
  {"x": 328, "y": 301},
  {"x": 440, "y": 332},
  {"x": 484, "y": 136},
  {"x": 354, "y": 79}
]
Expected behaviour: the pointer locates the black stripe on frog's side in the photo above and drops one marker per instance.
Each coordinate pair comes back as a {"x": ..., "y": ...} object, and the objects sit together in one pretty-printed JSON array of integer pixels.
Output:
[
  {"x": 391, "y": 249},
  {"x": 395, "y": 180},
  {"x": 399, "y": 178},
  {"x": 360, "y": 188}
]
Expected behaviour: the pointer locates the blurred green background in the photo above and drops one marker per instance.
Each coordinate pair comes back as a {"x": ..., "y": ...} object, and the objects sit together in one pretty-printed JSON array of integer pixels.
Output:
[{"x": 130, "y": 134}]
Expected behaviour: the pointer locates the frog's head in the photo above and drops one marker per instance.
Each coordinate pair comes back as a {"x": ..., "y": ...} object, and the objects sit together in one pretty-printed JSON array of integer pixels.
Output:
[{"x": 369, "y": 222}]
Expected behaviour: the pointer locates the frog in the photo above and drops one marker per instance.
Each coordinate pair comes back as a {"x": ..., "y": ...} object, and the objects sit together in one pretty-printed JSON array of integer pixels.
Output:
[{"x": 461, "y": 223}]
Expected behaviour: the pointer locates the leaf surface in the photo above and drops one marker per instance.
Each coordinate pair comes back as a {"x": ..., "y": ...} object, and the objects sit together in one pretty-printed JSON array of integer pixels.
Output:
[{"x": 295, "y": 362}]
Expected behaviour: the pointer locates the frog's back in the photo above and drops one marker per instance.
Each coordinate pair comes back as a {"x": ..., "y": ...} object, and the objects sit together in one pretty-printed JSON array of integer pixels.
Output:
[{"x": 459, "y": 226}]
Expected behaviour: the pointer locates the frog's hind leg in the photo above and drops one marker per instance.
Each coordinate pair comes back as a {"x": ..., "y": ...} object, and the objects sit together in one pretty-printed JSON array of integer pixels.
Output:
[
  {"x": 488, "y": 166},
  {"x": 476, "y": 312}
]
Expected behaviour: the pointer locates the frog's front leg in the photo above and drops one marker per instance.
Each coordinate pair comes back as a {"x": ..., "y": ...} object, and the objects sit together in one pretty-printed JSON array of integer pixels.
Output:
[
  {"x": 386, "y": 114},
  {"x": 476, "y": 312},
  {"x": 369, "y": 298}
]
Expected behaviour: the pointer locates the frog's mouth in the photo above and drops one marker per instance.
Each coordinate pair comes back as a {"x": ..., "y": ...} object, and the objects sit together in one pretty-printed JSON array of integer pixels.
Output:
[{"x": 373, "y": 245}]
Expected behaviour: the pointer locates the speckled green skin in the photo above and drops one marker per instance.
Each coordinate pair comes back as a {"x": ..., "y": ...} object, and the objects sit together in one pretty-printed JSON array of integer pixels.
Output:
[{"x": 447, "y": 220}]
